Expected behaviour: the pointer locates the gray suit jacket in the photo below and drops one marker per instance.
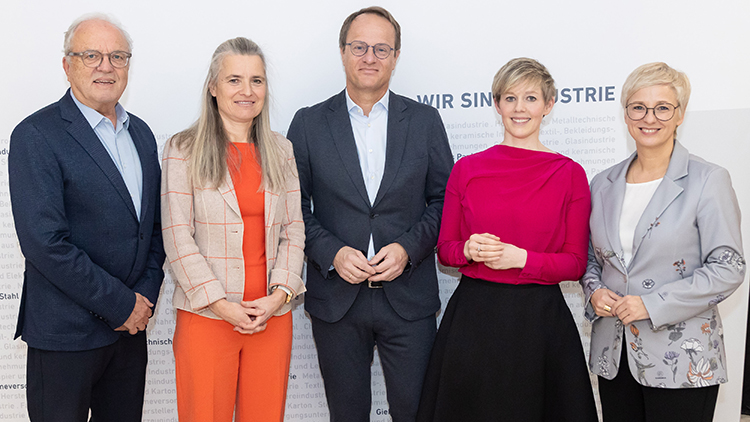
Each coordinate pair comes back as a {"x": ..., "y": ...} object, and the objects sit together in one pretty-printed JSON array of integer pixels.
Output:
[
  {"x": 687, "y": 257},
  {"x": 407, "y": 208}
]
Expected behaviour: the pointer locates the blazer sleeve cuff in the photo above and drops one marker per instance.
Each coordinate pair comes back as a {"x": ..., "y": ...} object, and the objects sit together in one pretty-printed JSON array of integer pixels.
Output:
[
  {"x": 287, "y": 279},
  {"x": 120, "y": 311},
  {"x": 205, "y": 294},
  {"x": 588, "y": 308},
  {"x": 657, "y": 321},
  {"x": 325, "y": 265}
]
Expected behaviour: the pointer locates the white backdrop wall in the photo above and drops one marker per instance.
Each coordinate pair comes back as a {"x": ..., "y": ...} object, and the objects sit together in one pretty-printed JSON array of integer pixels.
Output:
[{"x": 450, "y": 53}]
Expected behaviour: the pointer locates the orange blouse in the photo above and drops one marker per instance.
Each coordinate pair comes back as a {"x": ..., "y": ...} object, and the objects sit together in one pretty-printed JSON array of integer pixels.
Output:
[{"x": 247, "y": 183}]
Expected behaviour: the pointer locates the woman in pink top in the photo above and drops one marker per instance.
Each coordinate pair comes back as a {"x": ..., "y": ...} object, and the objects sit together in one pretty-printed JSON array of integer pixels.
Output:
[{"x": 515, "y": 222}]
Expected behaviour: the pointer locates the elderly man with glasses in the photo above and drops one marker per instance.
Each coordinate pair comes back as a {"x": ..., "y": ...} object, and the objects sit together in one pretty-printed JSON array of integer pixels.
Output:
[
  {"x": 373, "y": 167},
  {"x": 84, "y": 184}
]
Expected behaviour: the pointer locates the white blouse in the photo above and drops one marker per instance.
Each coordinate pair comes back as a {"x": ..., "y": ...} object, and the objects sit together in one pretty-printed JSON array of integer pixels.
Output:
[{"x": 637, "y": 197}]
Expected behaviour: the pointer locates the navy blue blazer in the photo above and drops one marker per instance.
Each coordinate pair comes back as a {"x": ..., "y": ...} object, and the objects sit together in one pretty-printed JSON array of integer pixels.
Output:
[
  {"x": 85, "y": 251},
  {"x": 338, "y": 213}
]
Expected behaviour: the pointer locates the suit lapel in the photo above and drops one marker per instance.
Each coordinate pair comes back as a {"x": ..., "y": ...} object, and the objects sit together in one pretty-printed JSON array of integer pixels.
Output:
[
  {"x": 665, "y": 194},
  {"x": 145, "y": 154},
  {"x": 395, "y": 143},
  {"x": 612, "y": 197},
  {"x": 270, "y": 203},
  {"x": 343, "y": 138},
  {"x": 226, "y": 189},
  {"x": 82, "y": 132}
]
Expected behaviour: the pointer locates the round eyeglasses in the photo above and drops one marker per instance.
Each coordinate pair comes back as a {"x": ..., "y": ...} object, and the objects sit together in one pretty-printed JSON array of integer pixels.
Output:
[
  {"x": 93, "y": 58},
  {"x": 663, "y": 112},
  {"x": 380, "y": 50}
]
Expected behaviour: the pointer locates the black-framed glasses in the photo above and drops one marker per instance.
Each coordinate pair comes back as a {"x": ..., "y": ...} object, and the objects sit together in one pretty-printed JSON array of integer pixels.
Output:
[
  {"x": 93, "y": 58},
  {"x": 663, "y": 112},
  {"x": 380, "y": 50}
]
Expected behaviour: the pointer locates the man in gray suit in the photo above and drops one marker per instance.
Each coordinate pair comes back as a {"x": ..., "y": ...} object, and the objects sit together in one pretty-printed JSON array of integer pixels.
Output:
[{"x": 375, "y": 165}]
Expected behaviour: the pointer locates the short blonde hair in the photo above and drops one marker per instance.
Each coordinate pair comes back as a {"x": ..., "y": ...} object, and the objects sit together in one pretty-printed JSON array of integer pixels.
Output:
[
  {"x": 657, "y": 73},
  {"x": 519, "y": 70}
]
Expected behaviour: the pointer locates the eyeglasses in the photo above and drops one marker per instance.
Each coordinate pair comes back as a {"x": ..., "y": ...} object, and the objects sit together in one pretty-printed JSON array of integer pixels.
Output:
[
  {"x": 380, "y": 50},
  {"x": 93, "y": 58},
  {"x": 663, "y": 112}
]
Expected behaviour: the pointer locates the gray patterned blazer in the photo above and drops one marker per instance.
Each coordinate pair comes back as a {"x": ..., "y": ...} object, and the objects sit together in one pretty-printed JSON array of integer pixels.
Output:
[{"x": 687, "y": 257}]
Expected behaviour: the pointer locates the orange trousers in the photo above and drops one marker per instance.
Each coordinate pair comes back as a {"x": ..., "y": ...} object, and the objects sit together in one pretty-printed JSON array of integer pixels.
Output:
[{"x": 220, "y": 371}]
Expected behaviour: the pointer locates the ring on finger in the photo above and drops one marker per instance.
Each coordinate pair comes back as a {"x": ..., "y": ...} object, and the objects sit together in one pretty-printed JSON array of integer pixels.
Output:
[
  {"x": 607, "y": 308},
  {"x": 479, "y": 248}
]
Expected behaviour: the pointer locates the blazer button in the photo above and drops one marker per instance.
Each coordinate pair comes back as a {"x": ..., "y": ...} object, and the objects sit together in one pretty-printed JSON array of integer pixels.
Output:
[
  {"x": 373, "y": 215},
  {"x": 141, "y": 236}
]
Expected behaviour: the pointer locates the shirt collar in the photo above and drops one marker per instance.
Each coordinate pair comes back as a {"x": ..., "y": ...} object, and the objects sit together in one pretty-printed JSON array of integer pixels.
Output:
[
  {"x": 383, "y": 101},
  {"x": 94, "y": 117}
]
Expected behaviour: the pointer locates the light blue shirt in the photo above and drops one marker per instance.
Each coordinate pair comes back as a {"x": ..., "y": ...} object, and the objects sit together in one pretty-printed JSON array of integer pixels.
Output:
[
  {"x": 370, "y": 135},
  {"x": 120, "y": 146}
]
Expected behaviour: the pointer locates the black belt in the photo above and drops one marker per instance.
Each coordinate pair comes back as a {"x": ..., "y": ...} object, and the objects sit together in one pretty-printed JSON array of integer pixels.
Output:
[{"x": 375, "y": 284}]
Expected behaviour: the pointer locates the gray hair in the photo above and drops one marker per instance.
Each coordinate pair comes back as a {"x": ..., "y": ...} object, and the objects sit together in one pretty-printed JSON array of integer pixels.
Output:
[{"x": 93, "y": 17}]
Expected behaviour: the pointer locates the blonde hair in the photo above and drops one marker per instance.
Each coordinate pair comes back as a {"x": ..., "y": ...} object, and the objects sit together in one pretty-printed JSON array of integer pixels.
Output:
[
  {"x": 206, "y": 141},
  {"x": 519, "y": 70},
  {"x": 657, "y": 73}
]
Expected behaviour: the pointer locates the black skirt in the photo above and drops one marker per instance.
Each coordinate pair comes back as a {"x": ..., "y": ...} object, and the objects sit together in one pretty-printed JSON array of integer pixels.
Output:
[{"x": 507, "y": 353}]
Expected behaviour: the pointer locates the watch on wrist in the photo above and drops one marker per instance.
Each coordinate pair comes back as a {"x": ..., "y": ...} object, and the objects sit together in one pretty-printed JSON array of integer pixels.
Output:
[{"x": 288, "y": 292}]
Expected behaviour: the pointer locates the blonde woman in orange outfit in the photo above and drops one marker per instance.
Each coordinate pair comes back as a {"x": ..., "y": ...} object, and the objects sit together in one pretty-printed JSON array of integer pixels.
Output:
[{"x": 234, "y": 238}]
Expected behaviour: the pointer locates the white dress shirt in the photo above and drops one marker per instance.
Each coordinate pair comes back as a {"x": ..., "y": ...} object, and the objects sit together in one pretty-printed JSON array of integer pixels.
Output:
[
  {"x": 370, "y": 135},
  {"x": 120, "y": 146}
]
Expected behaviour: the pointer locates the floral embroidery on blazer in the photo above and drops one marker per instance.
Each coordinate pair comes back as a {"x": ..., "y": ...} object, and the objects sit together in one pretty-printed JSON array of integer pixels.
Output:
[{"x": 687, "y": 257}]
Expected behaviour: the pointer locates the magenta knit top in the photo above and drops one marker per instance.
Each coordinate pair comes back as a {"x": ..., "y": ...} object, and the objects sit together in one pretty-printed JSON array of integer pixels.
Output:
[{"x": 538, "y": 201}]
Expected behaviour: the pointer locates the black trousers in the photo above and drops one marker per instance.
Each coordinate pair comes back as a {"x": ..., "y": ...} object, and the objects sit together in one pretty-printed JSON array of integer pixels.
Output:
[
  {"x": 625, "y": 400},
  {"x": 110, "y": 380},
  {"x": 345, "y": 353}
]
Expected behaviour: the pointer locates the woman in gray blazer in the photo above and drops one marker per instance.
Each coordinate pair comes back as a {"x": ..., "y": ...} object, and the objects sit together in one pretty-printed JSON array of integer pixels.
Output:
[{"x": 665, "y": 250}]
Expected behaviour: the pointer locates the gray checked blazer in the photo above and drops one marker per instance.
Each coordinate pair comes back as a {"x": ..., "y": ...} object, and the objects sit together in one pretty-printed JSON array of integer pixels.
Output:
[{"x": 687, "y": 257}]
